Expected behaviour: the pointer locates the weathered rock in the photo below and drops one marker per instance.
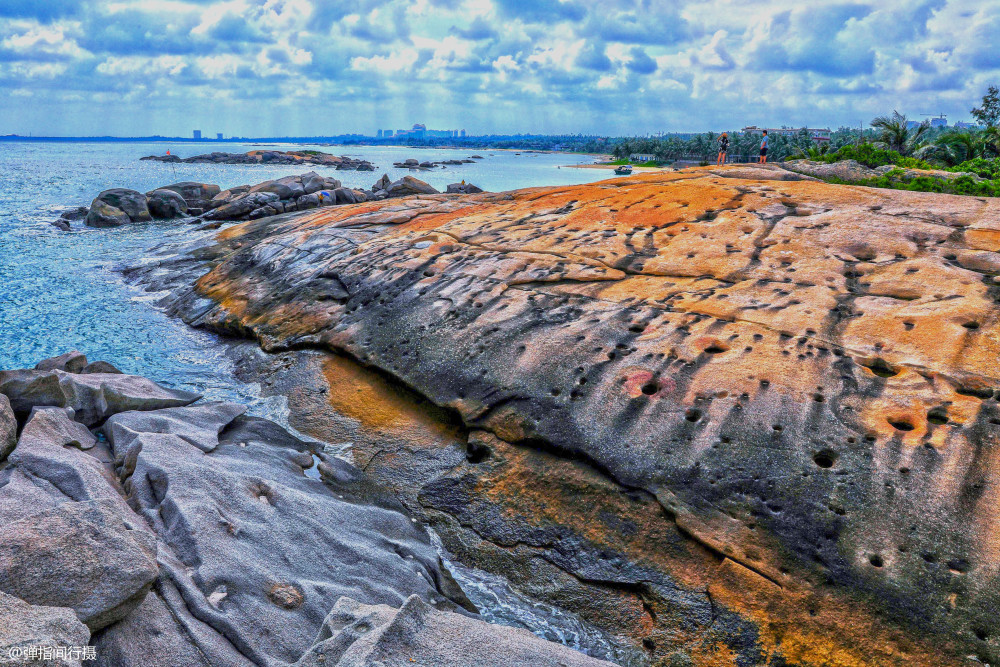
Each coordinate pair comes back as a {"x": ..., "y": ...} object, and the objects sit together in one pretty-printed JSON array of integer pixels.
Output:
[
  {"x": 23, "y": 625},
  {"x": 409, "y": 186},
  {"x": 8, "y": 428},
  {"x": 100, "y": 367},
  {"x": 71, "y": 362},
  {"x": 70, "y": 215},
  {"x": 195, "y": 195},
  {"x": 94, "y": 396},
  {"x": 241, "y": 206},
  {"x": 289, "y": 187},
  {"x": 130, "y": 202},
  {"x": 307, "y": 201},
  {"x": 81, "y": 556},
  {"x": 382, "y": 183},
  {"x": 359, "y": 634},
  {"x": 61, "y": 225},
  {"x": 344, "y": 196},
  {"x": 225, "y": 490},
  {"x": 846, "y": 170},
  {"x": 166, "y": 204},
  {"x": 463, "y": 188},
  {"x": 801, "y": 376},
  {"x": 102, "y": 214}
]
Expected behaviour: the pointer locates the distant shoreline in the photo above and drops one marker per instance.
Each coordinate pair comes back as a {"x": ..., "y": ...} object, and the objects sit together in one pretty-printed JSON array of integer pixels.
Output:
[{"x": 635, "y": 170}]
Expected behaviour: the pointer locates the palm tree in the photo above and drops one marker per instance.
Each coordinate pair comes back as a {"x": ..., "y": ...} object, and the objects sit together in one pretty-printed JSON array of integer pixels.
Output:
[
  {"x": 954, "y": 148},
  {"x": 895, "y": 135}
]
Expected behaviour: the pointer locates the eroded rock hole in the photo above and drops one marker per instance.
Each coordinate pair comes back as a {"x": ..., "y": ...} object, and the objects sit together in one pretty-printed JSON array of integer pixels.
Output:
[
  {"x": 477, "y": 452},
  {"x": 876, "y": 560},
  {"x": 901, "y": 425},
  {"x": 825, "y": 458},
  {"x": 650, "y": 388},
  {"x": 882, "y": 369},
  {"x": 938, "y": 416},
  {"x": 692, "y": 415}
]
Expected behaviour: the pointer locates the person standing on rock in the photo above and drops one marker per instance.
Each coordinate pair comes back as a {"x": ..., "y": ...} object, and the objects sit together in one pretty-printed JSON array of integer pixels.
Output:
[
  {"x": 763, "y": 148},
  {"x": 723, "y": 149}
]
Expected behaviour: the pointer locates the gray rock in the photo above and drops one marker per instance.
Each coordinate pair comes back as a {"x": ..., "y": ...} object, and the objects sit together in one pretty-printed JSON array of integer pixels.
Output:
[
  {"x": 242, "y": 205},
  {"x": 307, "y": 201},
  {"x": 463, "y": 188},
  {"x": 81, "y": 556},
  {"x": 409, "y": 185},
  {"x": 8, "y": 428},
  {"x": 289, "y": 187},
  {"x": 313, "y": 182},
  {"x": 344, "y": 196},
  {"x": 71, "y": 362},
  {"x": 227, "y": 196},
  {"x": 382, "y": 183},
  {"x": 100, "y": 367},
  {"x": 846, "y": 170},
  {"x": 94, "y": 397},
  {"x": 195, "y": 195},
  {"x": 74, "y": 214},
  {"x": 104, "y": 215},
  {"x": 61, "y": 225},
  {"x": 356, "y": 634},
  {"x": 24, "y": 625},
  {"x": 360, "y": 196},
  {"x": 167, "y": 204},
  {"x": 259, "y": 544},
  {"x": 762, "y": 172},
  {"x": 132, "y": 203}
]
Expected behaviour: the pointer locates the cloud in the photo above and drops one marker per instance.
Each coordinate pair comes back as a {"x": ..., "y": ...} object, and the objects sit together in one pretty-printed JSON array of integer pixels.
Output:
[{"x": 289, "y": 66}]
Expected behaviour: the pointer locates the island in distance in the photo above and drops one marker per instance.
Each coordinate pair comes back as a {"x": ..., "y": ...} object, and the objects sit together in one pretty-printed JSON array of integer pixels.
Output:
[{"x": 342, "y": 162}]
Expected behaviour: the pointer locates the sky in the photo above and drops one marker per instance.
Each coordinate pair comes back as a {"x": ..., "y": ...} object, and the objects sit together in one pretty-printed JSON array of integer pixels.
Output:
[{"x": 609, "y": 67}]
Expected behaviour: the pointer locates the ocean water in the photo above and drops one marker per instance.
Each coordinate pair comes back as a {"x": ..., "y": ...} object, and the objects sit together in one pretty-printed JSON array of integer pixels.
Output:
[{"x": 59, "y": 291}]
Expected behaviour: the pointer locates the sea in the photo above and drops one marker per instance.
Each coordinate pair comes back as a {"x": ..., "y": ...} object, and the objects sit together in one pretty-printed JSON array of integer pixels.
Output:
[{"x": 61, "y": 291}]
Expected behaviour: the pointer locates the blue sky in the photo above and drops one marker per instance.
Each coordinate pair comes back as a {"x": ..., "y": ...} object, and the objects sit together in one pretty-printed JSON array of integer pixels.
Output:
[{"x": 316, "y": 67}]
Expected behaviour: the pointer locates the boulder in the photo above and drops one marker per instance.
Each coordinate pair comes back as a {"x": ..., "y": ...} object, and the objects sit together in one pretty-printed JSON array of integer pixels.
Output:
[
  {"x": 227, "y": 196},
  {"x": 100, "y": 367},
  {"x": 71, "y": 362},
  {"x": 344, "y": 196},
  {"x": 61, "y": 225},
  {"x": 845, "y": 170},
  {"x": 102, "y": 214},
  {"x": 408, "y": 185},
  {"x": 242, "y": 206},
  {"x": 313, "y": 182},
  {"x": 94, "y": 397},
  {"x": 24, "y": 625},
  {"x": 8, "y": 428},
  {"x": 80, "y": 555},
  {"x": 259, "y": 541},
  {"x": 307, "y": 201},
  {"x": 70, "y": 215},
  {"x": 132, "y": 203},
  {"x": 167, "y": 204},
  {"x": 289, "y": 187},
  {"x": 382, "y": 183},
  {"x": 195, "y": 195},
  {"x": 417, "y": 633},
  {"x": 463, "y": 188},
  {"x": 360, "y": 196}
]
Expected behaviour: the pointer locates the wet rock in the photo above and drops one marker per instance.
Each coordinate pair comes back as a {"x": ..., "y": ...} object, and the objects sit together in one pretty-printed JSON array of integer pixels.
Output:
[
  {"x": 70, "y": 216},
  {"x": 8, "y": 428},
  {"x": 102, "y": 214},
  {"x": 409, "y": 186},
  {"x": 344, "y": 196},
  {"x": 166, "y": 204},
  {"x": 100, "y": 367},
  {"x": 24, "y": 625},
  {"x": 61, "y": 225},
  {"x": 130, "y": 202},
  {"x": 359, "y": 634},
  {"x": 81, "y": 556},
  {"x": 241, "y": 205},
  {"x": 94, "y": 397},
  {"x": 195, "y": 195}
]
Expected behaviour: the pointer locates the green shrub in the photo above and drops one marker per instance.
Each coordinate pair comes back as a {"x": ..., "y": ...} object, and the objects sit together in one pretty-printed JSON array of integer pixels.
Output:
[
  {"x": 872, "y": 156},
  {"x": 980, "y": 166}
]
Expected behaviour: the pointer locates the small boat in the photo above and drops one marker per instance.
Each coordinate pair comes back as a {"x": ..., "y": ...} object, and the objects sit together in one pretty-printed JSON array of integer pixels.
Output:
[{"x": 624, "y": 170}]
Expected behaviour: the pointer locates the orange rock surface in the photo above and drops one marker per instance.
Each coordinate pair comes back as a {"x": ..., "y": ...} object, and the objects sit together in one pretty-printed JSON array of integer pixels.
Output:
[{"x": 802, "y": 377}]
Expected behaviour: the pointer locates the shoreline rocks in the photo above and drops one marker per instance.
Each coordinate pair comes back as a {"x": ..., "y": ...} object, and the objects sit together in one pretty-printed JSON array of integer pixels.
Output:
[
  {"x": 189, "y": 532},
  {"x": 342, "y": 162}
]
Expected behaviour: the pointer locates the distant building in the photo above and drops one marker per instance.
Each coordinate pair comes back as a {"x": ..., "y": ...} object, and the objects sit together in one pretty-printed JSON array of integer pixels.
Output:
[
  {"x": 962, "y": 125},
  {"x": 378, "y": 135},
  {"x": 913, "y": 124},
  {"x": 387, "y": 134},
  {"x": 197, "y": 135},
  {"x": 462, "y": 133},
  {"x": 939, "y": 122},
  {"x": 642, "y": 157},
  {"x": 218, "y": 135}
]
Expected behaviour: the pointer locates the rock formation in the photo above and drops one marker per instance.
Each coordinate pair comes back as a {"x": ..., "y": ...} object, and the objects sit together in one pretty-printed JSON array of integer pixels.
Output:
[
  {"x": 190, "y": 533},
  {"x": 271, "y": 157},
  {"x": 733, "y": 418}
]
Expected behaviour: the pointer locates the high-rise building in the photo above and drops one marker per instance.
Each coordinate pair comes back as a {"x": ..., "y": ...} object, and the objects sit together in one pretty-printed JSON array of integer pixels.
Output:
[
  {"x": 197, "y": 134},
  {"x": 218, "y": 135},
  {"x": 378, "y": 135},
  {"x": 387, "y": 134},
  {"x": 462, "y": 133}
]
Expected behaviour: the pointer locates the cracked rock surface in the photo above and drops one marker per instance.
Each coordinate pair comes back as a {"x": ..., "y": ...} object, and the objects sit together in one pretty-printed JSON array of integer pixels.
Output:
[{"x": 801, "y": 377}]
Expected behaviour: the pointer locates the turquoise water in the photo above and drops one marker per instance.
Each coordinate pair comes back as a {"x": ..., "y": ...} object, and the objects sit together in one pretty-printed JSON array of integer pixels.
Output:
[{"x": 59, "y": 291}]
